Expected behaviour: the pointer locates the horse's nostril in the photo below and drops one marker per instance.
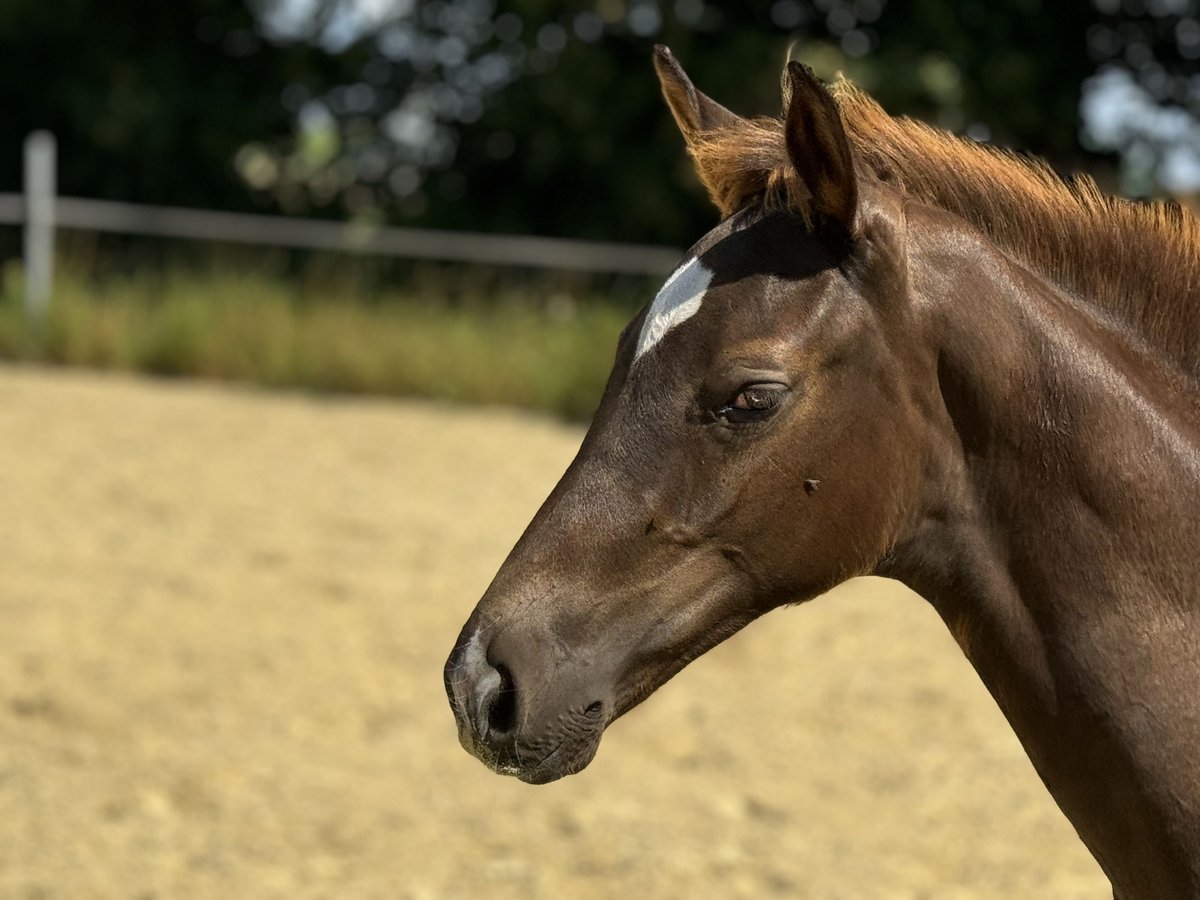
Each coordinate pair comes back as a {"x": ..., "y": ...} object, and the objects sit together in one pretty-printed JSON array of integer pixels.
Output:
[{"x": 502, "y": 716}]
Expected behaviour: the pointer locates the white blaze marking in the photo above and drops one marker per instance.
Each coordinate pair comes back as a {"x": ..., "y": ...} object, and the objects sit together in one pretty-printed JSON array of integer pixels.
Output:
[{"x": 677, "y": 301}]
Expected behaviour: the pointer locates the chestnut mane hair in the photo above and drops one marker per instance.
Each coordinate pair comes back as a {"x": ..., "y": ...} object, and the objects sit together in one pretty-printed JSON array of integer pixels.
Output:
[{"x": 1138, "y": 261}]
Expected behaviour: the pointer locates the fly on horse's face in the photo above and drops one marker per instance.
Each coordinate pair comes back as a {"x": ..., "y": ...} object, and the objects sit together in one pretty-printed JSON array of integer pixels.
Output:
[{"x": 723, "y": 473}]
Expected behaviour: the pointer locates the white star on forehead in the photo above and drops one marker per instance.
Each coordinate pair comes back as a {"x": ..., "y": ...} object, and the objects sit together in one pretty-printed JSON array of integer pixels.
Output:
[{"x": 677, "y": 301}]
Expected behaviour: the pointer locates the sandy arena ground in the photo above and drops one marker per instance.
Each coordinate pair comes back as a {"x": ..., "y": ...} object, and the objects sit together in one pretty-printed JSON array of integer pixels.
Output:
[{"x": 223, "y": 616}]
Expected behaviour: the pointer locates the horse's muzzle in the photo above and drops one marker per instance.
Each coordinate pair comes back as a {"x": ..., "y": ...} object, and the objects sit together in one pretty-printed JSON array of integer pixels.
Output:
[{"x": 496, "y": 726}]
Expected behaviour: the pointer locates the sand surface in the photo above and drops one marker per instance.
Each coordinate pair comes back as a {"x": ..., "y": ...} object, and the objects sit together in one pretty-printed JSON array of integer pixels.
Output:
[{"x": 223, "y": 616}]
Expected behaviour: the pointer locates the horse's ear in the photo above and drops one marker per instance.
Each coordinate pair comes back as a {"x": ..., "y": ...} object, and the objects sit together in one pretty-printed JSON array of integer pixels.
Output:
[
  {"x": 819, "y": 150},
  {"x": 695, "y": 113}
]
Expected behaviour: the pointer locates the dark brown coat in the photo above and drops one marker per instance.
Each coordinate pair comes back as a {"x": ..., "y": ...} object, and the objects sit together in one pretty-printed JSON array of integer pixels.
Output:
[{"x": 899, "y": 353}]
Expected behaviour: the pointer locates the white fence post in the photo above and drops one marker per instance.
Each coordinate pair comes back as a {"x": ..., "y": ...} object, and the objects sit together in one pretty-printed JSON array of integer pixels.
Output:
[{"x": 39, "y": 222}]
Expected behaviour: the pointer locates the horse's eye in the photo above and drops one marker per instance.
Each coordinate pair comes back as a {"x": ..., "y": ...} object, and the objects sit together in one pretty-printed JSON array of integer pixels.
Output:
[{"x": 752, "y": 402}]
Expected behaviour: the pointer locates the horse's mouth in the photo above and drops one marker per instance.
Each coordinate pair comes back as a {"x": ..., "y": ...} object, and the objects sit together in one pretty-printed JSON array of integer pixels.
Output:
[
  {"x": 556, "y": 755},
  {"x": 564, "y": 760}
]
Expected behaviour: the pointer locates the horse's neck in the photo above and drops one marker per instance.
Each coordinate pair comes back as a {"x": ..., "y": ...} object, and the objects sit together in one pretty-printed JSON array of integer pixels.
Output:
[{"x": 1059, "y": 540}]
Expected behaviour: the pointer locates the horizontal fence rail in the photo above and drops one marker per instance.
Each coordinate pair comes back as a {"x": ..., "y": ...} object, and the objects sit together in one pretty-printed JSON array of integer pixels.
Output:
[{"x": 316, "y": 234}]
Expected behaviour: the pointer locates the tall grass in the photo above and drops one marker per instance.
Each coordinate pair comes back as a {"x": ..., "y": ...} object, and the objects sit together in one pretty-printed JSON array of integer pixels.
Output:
[{"x": 262, "y": 329}]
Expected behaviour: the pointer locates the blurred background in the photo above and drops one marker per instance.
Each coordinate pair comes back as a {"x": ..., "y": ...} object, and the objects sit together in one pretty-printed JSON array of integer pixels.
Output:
[{"x": 224, "y": 609}]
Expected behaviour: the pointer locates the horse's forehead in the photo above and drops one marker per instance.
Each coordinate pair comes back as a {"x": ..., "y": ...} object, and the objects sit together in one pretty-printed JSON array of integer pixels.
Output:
[
  {"x": 676, "y": 302},
  {"x": 682, "y": 295}
]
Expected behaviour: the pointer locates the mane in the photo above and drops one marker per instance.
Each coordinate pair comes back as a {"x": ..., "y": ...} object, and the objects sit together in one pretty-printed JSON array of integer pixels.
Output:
[{"x": 1138, "y": 261}]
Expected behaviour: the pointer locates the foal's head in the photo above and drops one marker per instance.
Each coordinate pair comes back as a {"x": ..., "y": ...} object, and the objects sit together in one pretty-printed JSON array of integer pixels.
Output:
[{"x": 749, "y": 450}]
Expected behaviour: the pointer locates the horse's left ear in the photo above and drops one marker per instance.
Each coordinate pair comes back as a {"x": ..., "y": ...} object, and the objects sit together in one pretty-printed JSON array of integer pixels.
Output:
[
  {"x": 696, "y": 113},
  {"x": 819, "y": 150}
]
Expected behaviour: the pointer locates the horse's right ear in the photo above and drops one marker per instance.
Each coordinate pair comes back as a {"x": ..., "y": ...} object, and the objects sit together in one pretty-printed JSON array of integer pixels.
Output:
[
  {"x": 819, "y": 149},
  {"x": 695, "y": 113}
]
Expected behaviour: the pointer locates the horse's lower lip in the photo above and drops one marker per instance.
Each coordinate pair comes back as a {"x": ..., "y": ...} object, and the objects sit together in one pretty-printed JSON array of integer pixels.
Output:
[
  {"x": 538, "y": 774},
  {"x": 541, "y": 776},
  {"x": 563, "y": 760}
]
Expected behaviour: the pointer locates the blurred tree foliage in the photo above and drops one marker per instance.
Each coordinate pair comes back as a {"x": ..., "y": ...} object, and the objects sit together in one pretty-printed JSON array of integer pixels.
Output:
[
  {"x": 1144, "y": 100},
  {"x": 150, "y": 101},
  {"x": 528, "y": 115}
]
